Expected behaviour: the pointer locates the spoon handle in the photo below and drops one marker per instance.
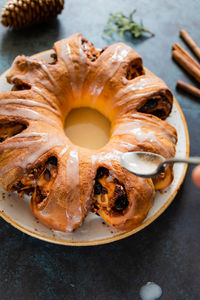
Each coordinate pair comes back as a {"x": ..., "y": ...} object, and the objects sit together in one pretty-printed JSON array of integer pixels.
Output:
[{"x": 189, "y": 160}]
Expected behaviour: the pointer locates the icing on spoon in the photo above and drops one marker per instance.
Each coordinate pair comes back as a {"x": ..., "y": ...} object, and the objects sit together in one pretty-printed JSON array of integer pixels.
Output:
[{"x": 147, "y": 164}]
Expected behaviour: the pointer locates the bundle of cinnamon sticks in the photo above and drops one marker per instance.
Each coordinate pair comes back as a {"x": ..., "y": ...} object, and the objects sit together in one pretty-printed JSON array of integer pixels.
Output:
[{"x": 188, "y": 63}]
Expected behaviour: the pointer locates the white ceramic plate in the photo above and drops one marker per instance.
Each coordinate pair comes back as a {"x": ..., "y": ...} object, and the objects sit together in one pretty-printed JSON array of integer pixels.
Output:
[{"x": 94, "y": 231}]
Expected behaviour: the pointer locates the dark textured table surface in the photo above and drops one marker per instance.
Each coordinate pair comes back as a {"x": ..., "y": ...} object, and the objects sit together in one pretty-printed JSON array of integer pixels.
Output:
[{"x": 168, "y": 251}]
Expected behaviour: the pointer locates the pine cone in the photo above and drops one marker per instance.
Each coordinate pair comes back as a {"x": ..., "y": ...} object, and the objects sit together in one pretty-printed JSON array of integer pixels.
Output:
[{"x": 22, "y": 13}]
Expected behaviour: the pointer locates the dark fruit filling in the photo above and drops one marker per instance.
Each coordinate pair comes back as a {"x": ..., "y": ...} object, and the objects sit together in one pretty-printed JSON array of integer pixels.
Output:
[
  {"x": 158, "y": 106},
  {"x": 121, "y": 203},
  {"x": 98, "y": 188},
  {"x": 109, "y": 193},
  {"x": 89, "y": 49},
  {"x": 8, "y": 130},
  {"x": 18, "y": 186},
  {"x": 54, "y": 58},
  {"x": 21, "y": 87},
  {"x": 150, "y": 104},
  {"x": 160, "y": 113},
  {"x": 102, "y": 172},
  {"x": 38, "y": 182},
  {"x": 134, "y": 71}
]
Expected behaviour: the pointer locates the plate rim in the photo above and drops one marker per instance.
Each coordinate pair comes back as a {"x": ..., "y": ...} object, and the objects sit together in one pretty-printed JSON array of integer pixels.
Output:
[{"x": 123, "y": 234}]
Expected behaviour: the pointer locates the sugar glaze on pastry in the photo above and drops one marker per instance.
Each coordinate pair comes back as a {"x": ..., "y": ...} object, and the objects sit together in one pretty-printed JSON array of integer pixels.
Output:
[{"x": 65, "y": 181}]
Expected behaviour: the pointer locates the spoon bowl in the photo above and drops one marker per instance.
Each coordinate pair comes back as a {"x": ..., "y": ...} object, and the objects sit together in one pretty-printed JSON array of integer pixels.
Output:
[
  {"x": 147, "y": 164},
  {"x": 143, "y": 164}
]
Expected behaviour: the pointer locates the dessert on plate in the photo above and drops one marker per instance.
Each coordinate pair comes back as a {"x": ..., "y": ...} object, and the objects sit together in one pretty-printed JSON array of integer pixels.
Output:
[{"x": 65, "y": 181}]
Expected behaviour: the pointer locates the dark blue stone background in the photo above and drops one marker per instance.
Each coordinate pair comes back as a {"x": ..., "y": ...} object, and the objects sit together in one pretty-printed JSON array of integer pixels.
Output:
[{"x": 168, "y": 251}]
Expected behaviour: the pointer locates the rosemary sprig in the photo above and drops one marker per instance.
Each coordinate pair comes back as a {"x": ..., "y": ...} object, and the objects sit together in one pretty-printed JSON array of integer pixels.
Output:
[{"x": 121, "y": 24}]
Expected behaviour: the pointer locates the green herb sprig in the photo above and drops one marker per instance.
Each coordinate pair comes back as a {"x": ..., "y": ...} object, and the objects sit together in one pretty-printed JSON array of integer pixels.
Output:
[{"x": 121, "y": 24}]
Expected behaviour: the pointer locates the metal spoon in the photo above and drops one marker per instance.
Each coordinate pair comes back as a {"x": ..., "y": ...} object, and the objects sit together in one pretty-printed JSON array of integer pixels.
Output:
[{"x": 147, "y": 164}]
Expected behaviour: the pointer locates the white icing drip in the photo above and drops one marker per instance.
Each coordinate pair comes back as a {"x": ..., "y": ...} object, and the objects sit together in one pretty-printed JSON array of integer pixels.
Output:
[
  {"x": 33, "y": 148},
  {"x": 140, "y": 135},
  {"x": 114, "y": 155},
  {"x": 63, "y": 151},
  {"x": 76, "y": 80},
  {"x": 106, "y": 158},
  {"x": 133, "y": 97},
  {"x": 28, "y": 102},
  {"x": 96, "y": 90},
  {"x": 73, "y": 169},
  {"x": 137, "y": 127},
  {"x": 83, "y": 71},
  {"x": 139, "y": 87},
  {"x": 27, "y": 113},
  {"x": 126, "y": 145},
  {"x": 162, "y": 126},
  {"x": 150, "y": 136},
  {"x": 66, "y": 56},
  {"x": 52, "y": 142},
  {"x": 96, "y": 158},
  {"x": 15, "y": 142},
  {"x": 73, "y": 205},
  {"x": 20, "y": 161},
  {"x": 124, "y": 80},
  {"x": 43, "y": 136},
  {"x": 119, "y": 54},
  {"x": 49, "y": 101},
  {"x": 134, "y": 127},
  {"x": 24, "y": 78},
  {"x": 44, "y": 69},
  {"x": 29, "y": 77},
  {"x": 150, "y": 291},
  {"x": 142, "y": 82},
  {"x": 111, "y": 66}
]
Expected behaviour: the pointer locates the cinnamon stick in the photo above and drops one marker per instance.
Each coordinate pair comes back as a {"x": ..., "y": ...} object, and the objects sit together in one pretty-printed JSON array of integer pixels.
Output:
[
  {"x": 188, "y": 88},
  {"x": 190, "y": 42},
  {"x": 178, "y": 47},
  {"x": 186, "y": 64}
]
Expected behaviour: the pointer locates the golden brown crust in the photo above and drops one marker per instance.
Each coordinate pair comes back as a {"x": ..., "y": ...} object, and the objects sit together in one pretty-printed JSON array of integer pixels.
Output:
[{"x": 37, "y": 158}]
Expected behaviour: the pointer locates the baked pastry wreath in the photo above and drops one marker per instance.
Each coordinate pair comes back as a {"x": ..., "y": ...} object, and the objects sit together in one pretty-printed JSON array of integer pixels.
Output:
[{"x": 66, "y": 181}]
